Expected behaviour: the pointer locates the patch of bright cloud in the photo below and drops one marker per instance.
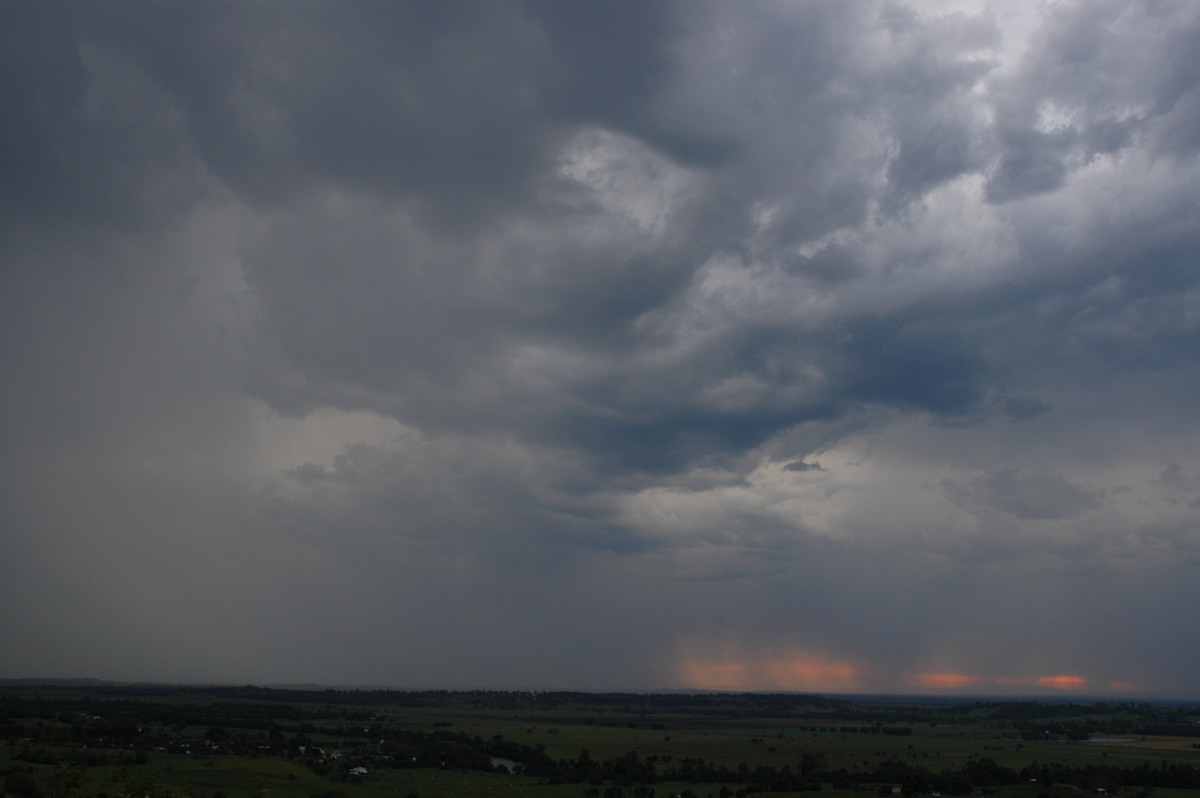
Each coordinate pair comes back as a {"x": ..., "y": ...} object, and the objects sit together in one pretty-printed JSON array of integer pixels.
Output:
[{"x": 307, "y": 443}]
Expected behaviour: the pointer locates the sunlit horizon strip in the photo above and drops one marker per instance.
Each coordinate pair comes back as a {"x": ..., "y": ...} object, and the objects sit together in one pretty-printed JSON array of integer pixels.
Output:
[
  {"x": 806, "y": 670},
  {"x": 796, "y": 670},
  {"x": 952, "y": 681}
]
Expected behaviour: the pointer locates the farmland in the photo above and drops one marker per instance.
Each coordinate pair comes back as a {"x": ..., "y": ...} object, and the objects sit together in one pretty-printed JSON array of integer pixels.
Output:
[{"x": 109, "y": 741}]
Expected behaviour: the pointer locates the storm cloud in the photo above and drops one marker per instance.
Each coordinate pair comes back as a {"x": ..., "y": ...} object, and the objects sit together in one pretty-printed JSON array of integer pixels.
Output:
[{"x": 818, "y": 346}]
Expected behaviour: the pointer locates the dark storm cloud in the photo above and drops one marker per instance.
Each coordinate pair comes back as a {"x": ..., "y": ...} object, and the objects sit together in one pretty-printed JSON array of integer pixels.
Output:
[
  {"x": 1021, "y": 408},
  {"x": 499, "y": 316},
  {"x": 450, "y": 106},
  {"x": 85, "y": 139},
  {"x": 1095, "y": 92}
]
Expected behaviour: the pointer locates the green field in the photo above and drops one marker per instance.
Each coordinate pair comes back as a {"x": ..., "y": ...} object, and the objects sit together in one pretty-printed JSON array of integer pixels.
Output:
[{"x": 213, "y": 742}]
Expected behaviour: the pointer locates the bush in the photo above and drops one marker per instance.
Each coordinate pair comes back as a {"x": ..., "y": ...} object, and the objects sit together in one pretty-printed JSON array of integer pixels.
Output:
[{"x": 21, "y": 784}]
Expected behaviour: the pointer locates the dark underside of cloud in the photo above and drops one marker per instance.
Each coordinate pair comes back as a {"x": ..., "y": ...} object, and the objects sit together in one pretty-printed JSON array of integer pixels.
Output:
[{"x": 634, "y": 344}]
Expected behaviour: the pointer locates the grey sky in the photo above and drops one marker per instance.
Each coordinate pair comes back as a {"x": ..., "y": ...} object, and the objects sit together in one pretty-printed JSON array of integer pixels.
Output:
[{"x": 817, "y": 346}]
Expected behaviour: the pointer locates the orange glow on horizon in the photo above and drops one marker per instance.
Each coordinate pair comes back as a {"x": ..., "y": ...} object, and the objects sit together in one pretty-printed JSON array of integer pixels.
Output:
[
  {"x": 796, "y": 670},
  {"x": 807, "y": 671},
  {"x": 732, "y": 665},
  {"x": 953, "y": 681},
  {"x": 947, "y": 680},
  {"x": 714, "y": 676},
  {"x": 1063, "y": 682}
]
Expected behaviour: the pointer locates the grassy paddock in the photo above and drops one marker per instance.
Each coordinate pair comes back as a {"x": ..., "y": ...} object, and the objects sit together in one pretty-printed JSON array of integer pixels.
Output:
[{"x": 46, "y": 743}]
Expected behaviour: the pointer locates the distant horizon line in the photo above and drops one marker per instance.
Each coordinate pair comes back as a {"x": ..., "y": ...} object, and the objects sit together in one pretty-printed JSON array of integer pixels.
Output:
[{"x": 950, "y": 694}]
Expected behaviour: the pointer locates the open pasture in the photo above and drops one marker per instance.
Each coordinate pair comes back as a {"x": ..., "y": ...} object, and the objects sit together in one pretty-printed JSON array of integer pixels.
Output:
[{"x": 214, "y": 742}]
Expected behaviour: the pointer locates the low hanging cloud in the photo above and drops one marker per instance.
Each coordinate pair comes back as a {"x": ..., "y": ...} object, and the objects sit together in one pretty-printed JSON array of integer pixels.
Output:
[
  {"x": 1028, "y": 497},
  {"x": 829, "y": 346}
]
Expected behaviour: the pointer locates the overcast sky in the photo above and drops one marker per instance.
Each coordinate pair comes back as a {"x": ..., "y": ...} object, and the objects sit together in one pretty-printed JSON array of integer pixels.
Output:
[{"x": 822, "y": 346}]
